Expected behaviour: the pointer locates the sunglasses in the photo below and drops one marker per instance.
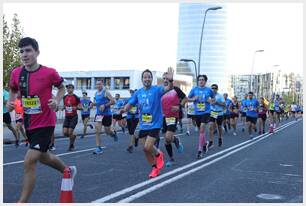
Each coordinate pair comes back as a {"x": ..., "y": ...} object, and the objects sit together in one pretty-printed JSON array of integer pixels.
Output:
[{"x": 214, "y": 88}]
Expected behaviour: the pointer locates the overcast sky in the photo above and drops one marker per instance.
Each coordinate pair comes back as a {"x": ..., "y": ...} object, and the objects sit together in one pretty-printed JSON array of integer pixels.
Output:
[{"x": 94, "y": 36}]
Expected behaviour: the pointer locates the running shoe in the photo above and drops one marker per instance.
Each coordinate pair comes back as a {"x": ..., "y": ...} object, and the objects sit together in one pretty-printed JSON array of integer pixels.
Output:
[
  {"x": 130, "y": 149},
  {"x": 82, "y": 136},
  {"x": 26, "y": 143},
  {"x": 170, "y": 163},
  {"x": 179, "y": 146},
  {"x": 242, "y": 129},
  {"x": 225, "y": 128},
  {"x": 91, "y": 127},
  {"x": 188, "y": 133},
  {"x": 210, "y": 144},
  {"x": 73, "y": 171},
  {"x": 71, "y": 147},
  {"x": 154, "y": 172},
  {"x": 255, "y": 129},
  {"x": 160, "y": 160},
  {"x": 234, "y": 133},
  {"x": 98, "y": 150},
  {"x": 220, "y": 142}
]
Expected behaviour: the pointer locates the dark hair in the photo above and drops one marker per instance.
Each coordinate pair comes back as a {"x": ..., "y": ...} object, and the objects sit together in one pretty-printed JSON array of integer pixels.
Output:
[
  {"x": 100, "y": 80},
  {"x": 202, "y": 75},
  {"x": 214, "y": 85},
  {"x": 84, "y": 93},
  {"x": 28, "y": 41},
  {"x": 251, "y": 93},
  {"x": 147, "y": 70}
]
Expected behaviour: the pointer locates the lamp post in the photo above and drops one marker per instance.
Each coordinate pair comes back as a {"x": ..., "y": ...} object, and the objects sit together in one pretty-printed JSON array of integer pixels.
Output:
[
  {"x": 261, "y": 50},
  {"x": 273, "y": 81},
  {"x": 195, "y": 65},
  {"x": 200, "y": 49}
]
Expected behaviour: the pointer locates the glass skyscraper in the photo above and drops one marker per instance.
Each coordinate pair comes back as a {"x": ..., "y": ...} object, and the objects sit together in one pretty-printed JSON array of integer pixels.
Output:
[{"x": 213, "y": 52}]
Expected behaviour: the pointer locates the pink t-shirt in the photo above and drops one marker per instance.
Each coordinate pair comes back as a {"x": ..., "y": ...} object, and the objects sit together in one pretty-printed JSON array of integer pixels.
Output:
[
  {"x": 40, "y": 84},
  {"x": 172, "y": 98}
]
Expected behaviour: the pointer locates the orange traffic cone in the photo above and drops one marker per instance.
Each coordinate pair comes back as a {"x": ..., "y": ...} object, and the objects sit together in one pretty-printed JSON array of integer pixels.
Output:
[{"x": 66, "y": 187}]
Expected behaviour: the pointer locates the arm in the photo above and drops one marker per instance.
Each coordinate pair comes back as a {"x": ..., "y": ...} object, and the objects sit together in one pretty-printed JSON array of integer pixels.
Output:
[
  {"x": 10, "y": 102},
  {"x": 110, "y": 97},
  {"x": 54, "y": 102}
]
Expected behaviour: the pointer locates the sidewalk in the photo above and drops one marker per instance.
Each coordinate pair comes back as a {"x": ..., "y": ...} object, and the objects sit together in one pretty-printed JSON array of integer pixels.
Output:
[{"x": 8, "y": 137}]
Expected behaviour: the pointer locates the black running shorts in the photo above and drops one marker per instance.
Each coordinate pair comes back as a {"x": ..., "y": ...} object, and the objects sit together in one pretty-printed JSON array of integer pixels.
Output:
[{"x": 40, "y": 138}]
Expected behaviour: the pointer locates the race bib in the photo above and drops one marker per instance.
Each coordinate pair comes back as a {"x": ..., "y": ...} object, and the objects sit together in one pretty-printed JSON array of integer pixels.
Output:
[
  {"x": 201, "y": 106},
  {"x": 31, "y": 105},
  {"x": 251, "y": 107},
  {"x": 277, "y": 108},
  {"x": 133, "y": 110},
  {"x": 123, "y": 114},
  {"x": 146, "y": 118},
  {"x": 99, "y": 118},
  {"x": 85, "y": 109},
  {"x": 170, "y": 121},
  {"x": 214, "y": 114},
  {"x": 69, "y": 109}
]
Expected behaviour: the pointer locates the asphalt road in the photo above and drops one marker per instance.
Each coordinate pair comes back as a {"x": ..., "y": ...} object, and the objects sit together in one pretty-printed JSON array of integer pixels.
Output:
[{"x": 266, "y": 169}]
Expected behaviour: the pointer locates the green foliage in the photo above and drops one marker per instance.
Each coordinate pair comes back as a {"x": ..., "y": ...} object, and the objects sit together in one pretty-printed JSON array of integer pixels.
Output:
[{"x": 11, "y": 37}]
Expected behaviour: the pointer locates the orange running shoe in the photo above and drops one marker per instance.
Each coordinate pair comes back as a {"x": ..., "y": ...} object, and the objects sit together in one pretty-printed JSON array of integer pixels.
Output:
[
  {"x": 154, "y": 172},
  {"x": 160, "y": 160}
]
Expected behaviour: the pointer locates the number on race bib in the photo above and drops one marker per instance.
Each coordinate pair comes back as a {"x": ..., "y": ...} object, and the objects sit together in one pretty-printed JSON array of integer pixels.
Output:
[
  {"x": 201, "y": 106},
  {"x": 170, "y": 121},
  {"x": 147, "y": 118},
  {"x": 214, "y": 114},
  {"x": 99, "y": 118},
  {"x": 31, "y": 105}
]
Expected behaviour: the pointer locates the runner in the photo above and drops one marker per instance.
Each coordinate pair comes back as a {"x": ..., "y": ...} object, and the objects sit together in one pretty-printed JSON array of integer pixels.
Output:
[
  {"x": 7, "y": 117},
  {"x": 200, "y": 95},
  {"x": 117, "y": 117},
  {"x": 243, "y": 110},
  {"x": 148, "y": 99},
  {"x": 172, "y": 101},
  {"x": 34, "y": 83},
  {"x": 277, "y": 112},
  {"x": 234, "y": 113},
  {"x": 251, "y": 114},
  {"x": 262, "y": 110},
  {"x": 216, "y": 116},
  {"x": 132, "y": 119},
  {"x": 227, "y": 113},
  {"x": 294, "y": 113},
  {"x": 271, "y": 116},
  {"x": 85, "y": 112},
  {"x": 19, "y": 120},
  {"x": 190, "y": 113},
  {"x": 103, "y": 100},
  {"x": 71, "y": 104}
]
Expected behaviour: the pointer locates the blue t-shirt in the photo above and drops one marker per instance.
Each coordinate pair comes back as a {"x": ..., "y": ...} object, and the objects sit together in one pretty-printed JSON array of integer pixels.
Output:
[
  {"x": 118, "y": 105},
  {"x": 252, "y": 106},
  {"x": 227, "y": 103},
  {"x": 243, "y": 107},
  {"x": 150, "y": 108},
  {"x": 276, "y": 105},
  {"x": 5, "y": 97},
  {"x": 101, "y": 99},
  {"x": 217, "y": 108},
  {"x": 85, "y": 104},
  {"x": 201, "y": 106},
  {"x": 133, "y": 112}
]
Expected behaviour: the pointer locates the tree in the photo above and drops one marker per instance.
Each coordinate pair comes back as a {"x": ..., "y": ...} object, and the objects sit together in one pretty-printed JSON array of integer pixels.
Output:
[{"x": 11, "y": 37}]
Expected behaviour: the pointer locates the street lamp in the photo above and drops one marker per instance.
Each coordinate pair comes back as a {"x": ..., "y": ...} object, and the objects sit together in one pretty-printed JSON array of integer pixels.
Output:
[
  {"x": 261, "y": 50},
  {"x": 200, "y": 49},
  {"x": 191, "y": 60}
]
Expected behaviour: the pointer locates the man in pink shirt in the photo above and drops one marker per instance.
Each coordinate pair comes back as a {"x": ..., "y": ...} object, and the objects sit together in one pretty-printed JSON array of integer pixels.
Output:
[
  {"x": 172, "y": 99},
  {"x": 33, "y": 83}
]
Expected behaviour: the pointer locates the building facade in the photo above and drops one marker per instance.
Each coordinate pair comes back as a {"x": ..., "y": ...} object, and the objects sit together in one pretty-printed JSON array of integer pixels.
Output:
[{"x": 213, "y": 52}]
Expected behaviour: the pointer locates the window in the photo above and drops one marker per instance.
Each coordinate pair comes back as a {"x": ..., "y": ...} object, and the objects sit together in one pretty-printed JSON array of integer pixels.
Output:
[
  {"x": 83, "y": 83},
  {"x": 122, "y": 82}
]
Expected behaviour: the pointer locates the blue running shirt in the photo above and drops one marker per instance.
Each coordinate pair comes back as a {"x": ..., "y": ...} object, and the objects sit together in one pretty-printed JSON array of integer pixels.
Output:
[{"x": 201, "y": 106}]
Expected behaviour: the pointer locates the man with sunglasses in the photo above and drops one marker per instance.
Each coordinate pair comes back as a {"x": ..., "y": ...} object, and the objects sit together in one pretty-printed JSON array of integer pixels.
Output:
[
  {"x": 85, "y": 112},
  {"x": 216, "y": 116},
  {"x": 34, "y": 82},
  {"x": 200, "y": 95}
]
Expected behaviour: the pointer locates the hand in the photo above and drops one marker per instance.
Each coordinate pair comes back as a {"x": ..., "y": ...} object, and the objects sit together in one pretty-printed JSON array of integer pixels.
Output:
[
  {"x": 102, "y": 107},
  {"x": 213, "y": 101},
  {"x": 52, "y": 103},
  {"x": 175, "y": 108},
  {"x": 10, "y": 106}
]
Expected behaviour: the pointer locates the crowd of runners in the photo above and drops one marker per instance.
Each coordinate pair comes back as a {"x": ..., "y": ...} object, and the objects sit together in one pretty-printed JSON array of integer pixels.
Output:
[{"x": 151, "y": 108}]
